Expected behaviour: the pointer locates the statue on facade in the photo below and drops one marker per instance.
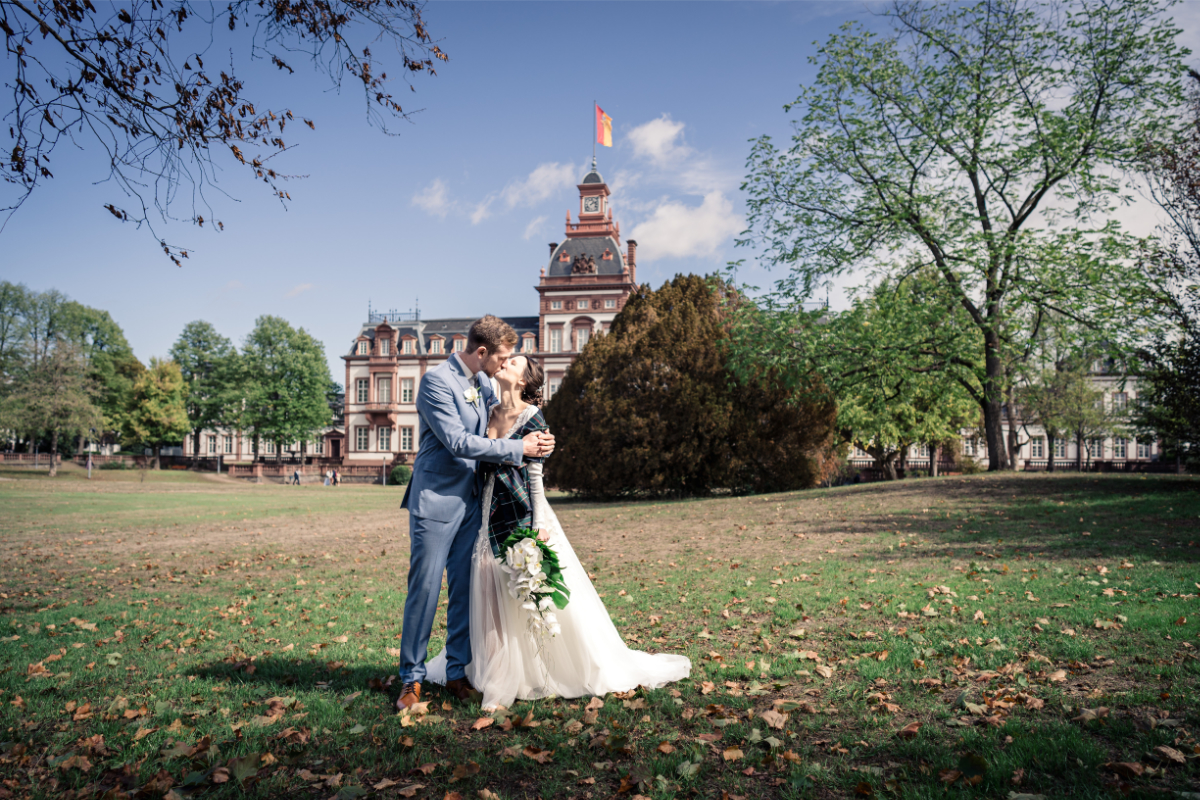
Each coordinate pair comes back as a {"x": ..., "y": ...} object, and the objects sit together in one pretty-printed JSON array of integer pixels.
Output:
[{"x": 583, "y": 265}]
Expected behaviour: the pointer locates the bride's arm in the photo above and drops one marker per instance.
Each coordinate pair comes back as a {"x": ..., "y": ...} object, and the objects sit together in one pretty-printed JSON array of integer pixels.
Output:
[{"x": 537, "y": 495}]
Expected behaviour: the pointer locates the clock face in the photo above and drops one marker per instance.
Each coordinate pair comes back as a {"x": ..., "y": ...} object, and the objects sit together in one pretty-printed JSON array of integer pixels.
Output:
[{"x": 591, "y": 205}]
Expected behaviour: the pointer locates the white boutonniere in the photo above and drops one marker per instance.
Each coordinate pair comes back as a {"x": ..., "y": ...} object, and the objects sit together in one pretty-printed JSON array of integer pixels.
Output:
[{"x": 472, "y": 396}]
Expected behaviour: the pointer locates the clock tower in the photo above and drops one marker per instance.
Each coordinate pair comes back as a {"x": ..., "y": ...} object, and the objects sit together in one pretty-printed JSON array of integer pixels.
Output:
[{"x": 586, "y": 283}]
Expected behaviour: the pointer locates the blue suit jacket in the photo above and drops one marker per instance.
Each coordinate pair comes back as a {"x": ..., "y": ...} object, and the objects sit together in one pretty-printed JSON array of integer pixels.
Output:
[{"x": 452, "y": 437}]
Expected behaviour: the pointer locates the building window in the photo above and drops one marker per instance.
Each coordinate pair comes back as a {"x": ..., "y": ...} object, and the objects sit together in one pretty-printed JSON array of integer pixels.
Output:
[
  {"x": 1120, "y": 447},
  {"x": 1060, "y": 448},
  {"x": 212, "y": 445},
  {"x": 610, "y": 303},
  {"x": 385, "y": 439},
  {"x": 383, "y": 391},
  {"x": 406, "y": 442},
  {"x": 435, "y": 347},
  {"x": 923, "y": 451},
  {"x": 1120, "y": 401},
  {"x": 968, "y": 447},
  {"x": 362, "y": 438},
  {"x": 1095, "y": 448},
  {"x": 228, "y": 444},
  {"x": 406, "y": 390},
  {"x": 385, "y": 347},
  {"x": 363, "y": 392},
  {"x": 1143, "y": 450},
  {"x": 527, "y": 344},
  {"x": 460, "y": 345},
  {"x": 552, "y": 388},
  {"x": 581, "y": 338},
  {"x": 364, "y": 347},
  {"x": 319, "y": 447},
  {"x": 407, "y": 347},
  {"x": 269, "y": 448},
  {"x": 1037, "y": 447},
  {"x": 583, "y": 304},
  {"x": 556, "y": 305},
  {"x": 556, "y": 340}
]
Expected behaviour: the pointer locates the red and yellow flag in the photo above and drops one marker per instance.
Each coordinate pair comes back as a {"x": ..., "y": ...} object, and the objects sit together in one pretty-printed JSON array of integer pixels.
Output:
[{"x": 603, "y": 128}]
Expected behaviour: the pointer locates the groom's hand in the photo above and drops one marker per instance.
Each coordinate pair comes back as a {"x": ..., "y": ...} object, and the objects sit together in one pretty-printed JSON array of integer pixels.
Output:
[{"x": 538, "y": 444}]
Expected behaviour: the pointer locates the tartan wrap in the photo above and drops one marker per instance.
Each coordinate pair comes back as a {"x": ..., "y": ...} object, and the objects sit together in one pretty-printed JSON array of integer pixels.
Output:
[{"x": 511, "y": 506}]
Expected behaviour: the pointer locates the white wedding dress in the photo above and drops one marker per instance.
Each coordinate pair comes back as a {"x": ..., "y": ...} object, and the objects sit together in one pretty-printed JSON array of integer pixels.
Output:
[{"x": 587, "y": 658}]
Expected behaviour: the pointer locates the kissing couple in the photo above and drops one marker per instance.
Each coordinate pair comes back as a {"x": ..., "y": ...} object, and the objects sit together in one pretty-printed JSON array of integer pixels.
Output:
[{"x": 476, "y": 480}]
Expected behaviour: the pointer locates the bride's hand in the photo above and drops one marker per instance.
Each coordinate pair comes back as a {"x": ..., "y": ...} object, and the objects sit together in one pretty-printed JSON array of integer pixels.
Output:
[{"x": 543, "y": 536}]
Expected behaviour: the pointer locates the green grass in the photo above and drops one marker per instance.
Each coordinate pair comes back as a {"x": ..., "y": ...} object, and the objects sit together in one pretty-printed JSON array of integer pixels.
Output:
[{"x": 1035, "y": 630}]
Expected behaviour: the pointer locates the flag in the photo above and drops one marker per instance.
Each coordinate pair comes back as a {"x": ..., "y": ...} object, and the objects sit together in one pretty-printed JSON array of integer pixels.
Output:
[{"x": 603, "y": 128}]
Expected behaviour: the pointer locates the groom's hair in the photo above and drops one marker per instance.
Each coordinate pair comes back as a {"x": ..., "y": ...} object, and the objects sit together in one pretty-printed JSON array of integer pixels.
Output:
[{"x": 490, "y": 332}]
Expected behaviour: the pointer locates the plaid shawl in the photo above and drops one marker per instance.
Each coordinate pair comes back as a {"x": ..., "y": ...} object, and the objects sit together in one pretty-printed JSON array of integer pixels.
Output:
[{"x": 512, "y": 506}]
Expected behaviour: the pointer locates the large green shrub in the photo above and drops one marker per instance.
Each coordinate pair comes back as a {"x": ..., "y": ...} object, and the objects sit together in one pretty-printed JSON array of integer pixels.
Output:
[
  {"x": 400, "y": 475},
  {"x": 652, "y": 408}
]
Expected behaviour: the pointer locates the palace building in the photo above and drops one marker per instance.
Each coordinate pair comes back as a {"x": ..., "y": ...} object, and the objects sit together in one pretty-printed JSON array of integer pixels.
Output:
[{"x": 579, "y": 292}]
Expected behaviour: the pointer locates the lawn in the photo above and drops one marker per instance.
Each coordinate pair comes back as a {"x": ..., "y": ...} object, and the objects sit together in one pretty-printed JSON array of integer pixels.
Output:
[{"x": 1012, "y": 636}]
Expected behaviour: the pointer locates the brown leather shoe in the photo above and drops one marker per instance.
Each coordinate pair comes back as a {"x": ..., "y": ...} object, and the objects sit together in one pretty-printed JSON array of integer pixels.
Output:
[
  {"x": 410, "y": 695},
  {"x": 461, "y": 688}
]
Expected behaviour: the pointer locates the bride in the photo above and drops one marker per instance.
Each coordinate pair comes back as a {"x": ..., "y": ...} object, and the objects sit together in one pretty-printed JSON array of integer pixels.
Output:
[{"x": 588, "y": 657}]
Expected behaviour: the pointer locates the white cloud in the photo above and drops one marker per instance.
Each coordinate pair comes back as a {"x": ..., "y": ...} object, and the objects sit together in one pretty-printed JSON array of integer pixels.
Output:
[
  {"x": 546, "y": 181},
  {"x": 659, "y": 141},
  {"x": 533, "y": 228},
  {"x": 676, "y": 230},
  {"x": 434, "y": 199},
  {"x": 299, "y": 289}
]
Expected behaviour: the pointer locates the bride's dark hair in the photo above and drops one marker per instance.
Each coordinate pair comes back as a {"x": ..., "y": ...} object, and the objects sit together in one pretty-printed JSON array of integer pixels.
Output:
[{"x": 531, "y": 392}]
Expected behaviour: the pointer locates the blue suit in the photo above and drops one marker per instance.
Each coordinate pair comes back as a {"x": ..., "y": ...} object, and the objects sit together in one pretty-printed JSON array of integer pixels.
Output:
[{"x": 444, "y": 515}]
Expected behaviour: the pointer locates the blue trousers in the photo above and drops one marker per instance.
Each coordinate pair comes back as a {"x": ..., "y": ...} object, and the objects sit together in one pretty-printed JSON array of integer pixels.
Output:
[{"x": 437, "y": 547}]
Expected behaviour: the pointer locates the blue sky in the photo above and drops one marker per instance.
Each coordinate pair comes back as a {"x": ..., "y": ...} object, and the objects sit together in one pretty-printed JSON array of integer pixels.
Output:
[{"x": 457, "y": 210}]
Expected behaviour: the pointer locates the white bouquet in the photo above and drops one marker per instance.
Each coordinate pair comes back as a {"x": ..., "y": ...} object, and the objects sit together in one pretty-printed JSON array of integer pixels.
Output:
[{"x": 535, "y": 580}]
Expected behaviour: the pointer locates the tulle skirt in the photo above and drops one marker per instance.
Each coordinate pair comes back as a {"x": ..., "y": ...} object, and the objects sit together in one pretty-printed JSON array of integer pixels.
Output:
[{"x": 587, "y": 658}]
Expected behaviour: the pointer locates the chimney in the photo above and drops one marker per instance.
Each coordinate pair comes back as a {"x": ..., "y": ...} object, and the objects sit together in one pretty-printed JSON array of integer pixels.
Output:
[
  {"x": 553, "y": 245},
  {"x": 631, "y": 258}
]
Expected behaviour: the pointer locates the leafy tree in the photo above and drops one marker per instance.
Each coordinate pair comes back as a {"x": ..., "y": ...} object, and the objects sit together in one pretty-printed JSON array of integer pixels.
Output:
[
  {"x": 1045, "y": 401},
  {"x": 898, "y": 362},
  {"x": 209, "y": 364},
  {"x": 156, "y": 416},
  {"x": 128, "y": 80},
  {"x": 987, "y": 142},
  {"x": 112, "y": 365},
  {"x": 52, "y": 396},
  {"x": 653, "y": 408},
  {"x": 14, "y": 298},
  {"x": 286, "y": 395}
]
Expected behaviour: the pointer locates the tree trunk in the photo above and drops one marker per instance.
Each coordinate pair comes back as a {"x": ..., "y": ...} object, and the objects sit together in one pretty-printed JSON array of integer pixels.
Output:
[
  {"x": 1010, "y": 412},
  {"x": 195, "y": 447},
  {"x": 933, "y": 460},
  {"x": 54, "y": 454},
  {"x": 157, "y": 453},
  {"x": 1079, "y": 452},
  {"x": 992, "y": 404},
  {"x": 1050, "y": 452}
]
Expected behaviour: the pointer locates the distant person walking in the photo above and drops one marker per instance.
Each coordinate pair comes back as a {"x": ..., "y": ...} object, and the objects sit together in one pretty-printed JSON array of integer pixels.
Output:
[
  {"x": 328, "y": 477},
  {"x": 296, "y": 478},
  {"x": 89, "y": 466},
  {"x": 337, "y": 479}
]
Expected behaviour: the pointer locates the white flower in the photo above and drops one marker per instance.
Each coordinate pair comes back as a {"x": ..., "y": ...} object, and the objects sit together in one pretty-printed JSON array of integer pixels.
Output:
[{"x": 472, "y": 396}]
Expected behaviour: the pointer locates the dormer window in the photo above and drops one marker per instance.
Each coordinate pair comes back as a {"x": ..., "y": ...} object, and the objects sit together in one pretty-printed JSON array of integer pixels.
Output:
[
  {"x": 460, "y": 345},
  {"x": 385, "y": 347},
  {"x": 563, "y": 256},
  {"x": 527, "y": 343},
  {"x": 607, "y": 255},
  {"x": 406, "y": 347},
  {"x": 364, "y": 347},
  {"x": 435, "y": 347}
]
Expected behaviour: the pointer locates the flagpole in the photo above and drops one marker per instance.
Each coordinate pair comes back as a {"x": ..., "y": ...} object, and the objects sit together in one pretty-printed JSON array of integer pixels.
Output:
[{"x": 595, "y": 105}]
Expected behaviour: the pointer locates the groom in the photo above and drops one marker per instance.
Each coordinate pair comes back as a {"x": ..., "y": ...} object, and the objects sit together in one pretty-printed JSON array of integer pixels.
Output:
[{"x": 442, "y": 499}]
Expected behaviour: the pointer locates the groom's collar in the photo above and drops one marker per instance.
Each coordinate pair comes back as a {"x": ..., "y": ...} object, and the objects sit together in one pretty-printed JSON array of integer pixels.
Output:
[{"x": 461, "y": 367}]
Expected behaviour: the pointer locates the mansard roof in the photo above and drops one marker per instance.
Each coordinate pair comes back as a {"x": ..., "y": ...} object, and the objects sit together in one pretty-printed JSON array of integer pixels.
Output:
[
  {"x": 592, "y": 177},
  {"x": 424, "y": 330},
  {"x": 593, "y": 247}
]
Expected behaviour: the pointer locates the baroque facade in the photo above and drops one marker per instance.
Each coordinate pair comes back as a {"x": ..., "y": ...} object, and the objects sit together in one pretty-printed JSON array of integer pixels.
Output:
[{"x": 580, "y": 291}]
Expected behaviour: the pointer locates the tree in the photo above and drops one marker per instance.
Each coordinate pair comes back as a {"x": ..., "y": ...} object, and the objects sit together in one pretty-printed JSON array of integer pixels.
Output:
[
  {"x": 208, "y": 362},
  {"x": 52, "y": 396},
  {"x": 1045, "y": 401},
  {"x": 898, "y": 363},
  {"x": 156, "y": 416},
  {"x": 653, "y": 408},
  {"x": 14, "y": 298},
  {"x": 112, "y": 366},
  {"x": 987, "y": 142},
  {"x": 289, "y": 378},
  {"x": 127, "y": 78}
]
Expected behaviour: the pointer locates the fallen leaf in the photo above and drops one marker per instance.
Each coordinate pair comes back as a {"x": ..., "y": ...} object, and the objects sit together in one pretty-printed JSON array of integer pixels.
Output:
[
  {"x": 774, "y": 719},
  {"x": 1058, "y": 676},
  {"x": 1126, "y": 769},
  {"x": 909, "y": 731},
  {"x": 386, "y": 783},
  {"x": 732, "y": 754},
  {"x": 482, "y": 723},
  {"x": 540, "y": 756},
  {"x": 823, "y": 671},
  {"x": 666, "y": 747},
  {"x": 1170, "y": 754},
  {"x": 464, "y": 771},
  {"x": 411, "y": 790}
]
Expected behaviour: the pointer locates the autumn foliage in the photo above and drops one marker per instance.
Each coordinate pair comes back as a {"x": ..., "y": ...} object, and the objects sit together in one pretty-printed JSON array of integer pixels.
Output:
[{"x": 652, "y": 408}]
